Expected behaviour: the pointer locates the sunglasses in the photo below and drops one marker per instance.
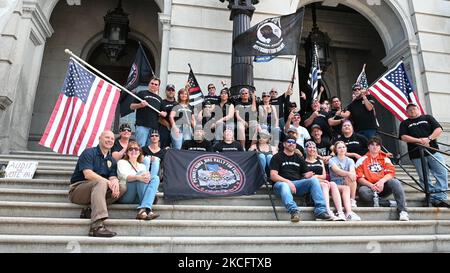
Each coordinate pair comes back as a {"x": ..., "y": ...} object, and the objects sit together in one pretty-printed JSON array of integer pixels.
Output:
[
  {"x": 154, "y": 136},
  {"x": 212, "y": 87},
  {"x": 290, "y": 141},
  {"x": 265, "y": 96},
  {"x": 136, "y": 149},
  {"x": 154, "y": 83},
  {"x": 126, "y": 130}
]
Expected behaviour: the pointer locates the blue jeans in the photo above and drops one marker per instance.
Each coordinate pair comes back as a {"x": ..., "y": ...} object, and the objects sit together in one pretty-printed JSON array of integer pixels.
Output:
[
  {"x": 303, "y": 186},
  {"x": 265, "y": 161},
  {"x": 369, "y": 133},
  {"x": 438, "y": 171},
  {"x": 142, "y": 135},
  {"x": 141, "y": 193},
  {"x": 185, "y": 134},
  {"x": 152, "y": 166}
]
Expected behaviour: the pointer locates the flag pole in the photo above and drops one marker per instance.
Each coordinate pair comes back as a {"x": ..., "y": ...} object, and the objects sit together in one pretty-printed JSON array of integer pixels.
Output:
[
  {"x": 145, "y": 56},
  {"x": 67, "y": 51}
]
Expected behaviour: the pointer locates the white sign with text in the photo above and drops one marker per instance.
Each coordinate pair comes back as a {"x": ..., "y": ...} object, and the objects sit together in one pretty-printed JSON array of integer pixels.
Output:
[{"x": 21, "y": 169}]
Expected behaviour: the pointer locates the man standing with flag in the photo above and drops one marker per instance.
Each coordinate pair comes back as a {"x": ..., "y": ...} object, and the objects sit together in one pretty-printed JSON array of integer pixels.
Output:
[{"x": 146, "y": 117}]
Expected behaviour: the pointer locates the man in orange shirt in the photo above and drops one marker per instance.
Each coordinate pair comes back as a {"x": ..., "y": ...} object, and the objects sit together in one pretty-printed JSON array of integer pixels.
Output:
[{"x": 375, "y": 175}]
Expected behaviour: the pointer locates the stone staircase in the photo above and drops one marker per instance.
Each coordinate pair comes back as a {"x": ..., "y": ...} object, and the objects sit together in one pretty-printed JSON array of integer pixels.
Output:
[{"x": 36, "y": 216}]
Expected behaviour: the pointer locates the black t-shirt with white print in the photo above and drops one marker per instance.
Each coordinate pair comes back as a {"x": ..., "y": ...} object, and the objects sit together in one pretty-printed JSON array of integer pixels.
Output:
[
  {"x": 421, "y": 127},
  {"x": 289, "y": 167}
]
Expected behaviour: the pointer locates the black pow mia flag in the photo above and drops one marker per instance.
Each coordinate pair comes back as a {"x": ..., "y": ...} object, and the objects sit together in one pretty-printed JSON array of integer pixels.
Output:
[
  {"x": 192, "y": 174},
  {"x": 140, "y": 74},
  {"x": 273, "y": 36}
]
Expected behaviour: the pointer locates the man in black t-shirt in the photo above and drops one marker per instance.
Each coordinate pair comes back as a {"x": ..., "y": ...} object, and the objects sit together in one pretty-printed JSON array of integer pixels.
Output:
[
  {"x": 424, "y": 130},
  {"x": 199, "y": 143},
  {"x": 319, "y": 117},
  {"x": 362, "y": 112},
  {"x": 211, "y": 98},
  {"x": 228, "y": 144},
  {"x": 167, "y": 104},
  {"x": 290, "y": 177},
  {"x": 356, "y": 143},
  {"x": 146, "y": 117},
  {"x": 281, "y": 103}
]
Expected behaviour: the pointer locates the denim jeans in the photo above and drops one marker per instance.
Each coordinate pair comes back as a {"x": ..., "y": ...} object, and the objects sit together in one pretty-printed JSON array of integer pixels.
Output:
[
  {"x": 152, "y": 166},
  {"x": 369, "y": 133},
  {"x": 438, "y": 171},
  {"x": 303, "y": 186},
  {"x": 142, "y": 135},
  {"x": 185, "y": 134},
  {"x": 141, "y": 193},
  {"x": 265, "y": 161},
  {"x": 392, "y": 186}
]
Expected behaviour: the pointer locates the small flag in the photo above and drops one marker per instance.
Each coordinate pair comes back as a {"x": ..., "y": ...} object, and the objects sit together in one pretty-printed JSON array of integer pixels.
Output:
[
  {"x": 362, "y": 78},
  {"x": 195, "y": 92},
  {"x": 84, "y": 109},
  {"x": 314, "y": 74},
  {"x": 139, "y": 76},
  {"x": 394, "y": 91}
]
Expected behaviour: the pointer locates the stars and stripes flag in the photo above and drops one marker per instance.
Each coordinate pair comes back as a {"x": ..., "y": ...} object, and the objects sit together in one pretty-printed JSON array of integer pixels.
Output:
[
  {"x": 314, "y": 75},
  {"x": 362, "y": 78},
  {"x": 85, "y": 108},
  {"x": 195, "y": 92},
  {"x": 394, "y": 91}
]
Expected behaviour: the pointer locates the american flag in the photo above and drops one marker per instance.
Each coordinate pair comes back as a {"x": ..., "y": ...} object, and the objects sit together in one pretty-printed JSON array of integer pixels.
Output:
[
  {"x": 85, "y": 108},
  {"x": 314, "y": 75},
  {"x": 195, "y": 93},
  {"x": 394, "y": 91},
  {"x": 362, "y": 78}
]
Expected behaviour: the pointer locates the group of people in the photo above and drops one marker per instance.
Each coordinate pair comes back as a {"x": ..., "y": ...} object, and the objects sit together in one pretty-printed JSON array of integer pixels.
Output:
[{"x": 334, "y": 153}]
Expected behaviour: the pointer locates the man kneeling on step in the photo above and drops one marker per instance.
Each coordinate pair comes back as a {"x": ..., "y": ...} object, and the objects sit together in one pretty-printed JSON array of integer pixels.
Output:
[
  {"x": 289, "y": 172},
  {"x": 95, "y": 182}
]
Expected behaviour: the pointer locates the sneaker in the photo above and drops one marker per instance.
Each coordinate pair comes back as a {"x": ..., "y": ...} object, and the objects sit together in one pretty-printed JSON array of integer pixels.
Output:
[
  {"x": 353, "y": 203},
  {"x": 324, "y": 216},
  {"x": 353, "y": 217},
  {"x": 295, "y": 217},
  {"x": 341, "y": 216},
  {"x": 403, "y": 216}
]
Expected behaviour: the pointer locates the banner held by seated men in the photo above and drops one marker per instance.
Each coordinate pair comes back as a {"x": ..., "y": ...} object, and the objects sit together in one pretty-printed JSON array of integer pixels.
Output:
[{"x": 190, "y": 174}]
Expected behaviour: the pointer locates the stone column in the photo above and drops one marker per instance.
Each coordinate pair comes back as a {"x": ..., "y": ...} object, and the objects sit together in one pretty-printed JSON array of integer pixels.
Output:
[{"x": 164, "y": 29}]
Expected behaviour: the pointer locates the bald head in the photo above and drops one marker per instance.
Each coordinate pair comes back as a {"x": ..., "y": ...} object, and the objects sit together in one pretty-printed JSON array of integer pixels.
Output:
[{"x": 106, "y": 140}]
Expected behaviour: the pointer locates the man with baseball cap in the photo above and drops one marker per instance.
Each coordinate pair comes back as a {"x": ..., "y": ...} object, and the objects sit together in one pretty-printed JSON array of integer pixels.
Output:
[
  {"x": 424, "y": 130},
  {"x": 289, "y": 174},
  {"x": 167, "y": 104}
]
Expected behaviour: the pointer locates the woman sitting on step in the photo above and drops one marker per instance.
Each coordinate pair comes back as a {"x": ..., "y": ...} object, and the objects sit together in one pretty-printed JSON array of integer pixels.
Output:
[
  {"x": 317, "y": 166},
  {"x": 140, "y": 184}
]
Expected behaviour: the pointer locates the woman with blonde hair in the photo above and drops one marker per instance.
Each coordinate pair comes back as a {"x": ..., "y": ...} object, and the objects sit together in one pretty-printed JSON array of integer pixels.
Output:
[{"x": 141, "y": 187}]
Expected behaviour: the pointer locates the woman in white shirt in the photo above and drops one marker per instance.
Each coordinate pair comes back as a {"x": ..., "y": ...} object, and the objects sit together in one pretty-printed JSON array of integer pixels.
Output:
[{"x": 141, "y": 187}]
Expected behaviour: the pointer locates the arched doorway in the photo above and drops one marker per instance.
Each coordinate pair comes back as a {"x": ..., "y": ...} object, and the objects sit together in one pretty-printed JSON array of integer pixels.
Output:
[
  {"x": 118, "y": 71},
  {"x": 355, "y": 41}
]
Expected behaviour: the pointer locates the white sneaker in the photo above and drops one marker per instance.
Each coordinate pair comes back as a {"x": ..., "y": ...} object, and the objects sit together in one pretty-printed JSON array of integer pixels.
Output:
[
  {"x": 353, "y": 217},
  {"x": 403, "y": 216},
  {"x": 353, "y": 203},
  {"x": 341, "y": 216}
]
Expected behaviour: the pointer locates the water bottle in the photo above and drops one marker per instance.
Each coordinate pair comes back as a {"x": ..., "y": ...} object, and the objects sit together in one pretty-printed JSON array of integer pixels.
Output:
[{"x": 376, "y": 200}]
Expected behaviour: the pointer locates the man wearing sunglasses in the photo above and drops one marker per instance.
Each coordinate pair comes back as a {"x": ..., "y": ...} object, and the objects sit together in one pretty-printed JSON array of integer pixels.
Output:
[{"x": 289, "y": 174}]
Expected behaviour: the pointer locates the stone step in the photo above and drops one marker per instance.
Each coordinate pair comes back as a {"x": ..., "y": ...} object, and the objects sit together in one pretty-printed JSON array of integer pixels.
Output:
[
  {"x": 31, "y": 153},
  {"x": 48, "y": 159},
  {"x": 220, "y": 228},
  {"x": 263, "y": 244},
  {"x": 53, "y": 174},
  {"x": 47, "y": 195},
  {"x": 207, "y": 212}
]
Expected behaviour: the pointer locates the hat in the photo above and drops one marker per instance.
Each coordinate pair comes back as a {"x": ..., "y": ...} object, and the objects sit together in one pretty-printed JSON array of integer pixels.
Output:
[
  {"x": 264, "y": 94},
  {"x": 293, "y": 104},
  {"x": 291, "y": 130},
  {"x": 264, "y": 132},
  {"x": 207, "y": 103},
  {"x": 315, "y": 126},
  {"x": 297, "y": 114},
  {"x": 356, "y": 85},
  {"x": 124, "y": 126},
  {"x": 310, "y": 142},
  {"x": 290, "y": 138},
  {"x": 243, "y": 90},
  {"x": 170, "y": 86},
  {"x": 154, "y": 132},
  {"x": 411, "y": 104}
]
